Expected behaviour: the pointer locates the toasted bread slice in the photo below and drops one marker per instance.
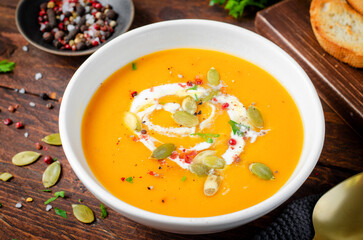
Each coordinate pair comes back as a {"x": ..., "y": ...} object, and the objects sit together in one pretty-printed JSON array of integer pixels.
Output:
[
  {"x": 357, "y": 5},
  {"x": 339, "y": 30}
]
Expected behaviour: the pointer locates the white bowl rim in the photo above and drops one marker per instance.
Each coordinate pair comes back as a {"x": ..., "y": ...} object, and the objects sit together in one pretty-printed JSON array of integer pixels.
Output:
[{"x": 250, "y": 213}]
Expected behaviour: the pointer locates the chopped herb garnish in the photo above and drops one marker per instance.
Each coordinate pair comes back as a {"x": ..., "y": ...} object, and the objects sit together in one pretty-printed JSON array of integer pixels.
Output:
[
  {"x": 130, "y": 179},
  {"x": 60, "y": 212},
  {"x": 134, "y": 66},
  {"x": 45, "y": 190},
  {"x": 196, "y": 97},
  {"x": 55, "y": 159},
  {"x": 103, "y": 211},
  {"x": 79, "y": 200},
  {"x": 6, "y": 66},
  {"x": 206, "y": 136},
  {"x": 195, "y": 87},
  {"x": 56, "y": 195},
  {"x": 1, "y": 204},
  {"x": 236, "y": 7},
  {"x": 184, "y": 178},
  {"x": 236, "y": 127}
]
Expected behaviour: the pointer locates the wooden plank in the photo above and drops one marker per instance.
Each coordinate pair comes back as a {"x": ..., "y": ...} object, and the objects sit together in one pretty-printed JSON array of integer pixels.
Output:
[{"x": 339, "y": 85}]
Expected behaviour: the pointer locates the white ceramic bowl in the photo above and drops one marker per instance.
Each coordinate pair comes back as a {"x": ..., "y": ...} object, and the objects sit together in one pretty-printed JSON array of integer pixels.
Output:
[{"x": 201, "y": 34}]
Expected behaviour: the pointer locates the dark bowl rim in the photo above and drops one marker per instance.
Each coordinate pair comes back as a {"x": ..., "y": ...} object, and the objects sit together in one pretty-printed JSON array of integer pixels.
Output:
[{"x": 67, "y": 53}]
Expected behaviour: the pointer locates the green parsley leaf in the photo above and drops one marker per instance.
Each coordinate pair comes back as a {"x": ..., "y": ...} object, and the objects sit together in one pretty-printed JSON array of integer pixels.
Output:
[
  {"x": 1, "y": 205},
  {"x": 196, "y": 97},
  {"x": 195, "y": 87},
  {"x": 184, "y": 178},
  {"x": 130, "y": 179},
  {"x": 79, "y": 200},
  {"x": 134, "y": 67},
  {"x": 6, "y": 66},
  {"x": 206, "y": 136},
  {"x": 236, "y": 7},
  {"x": 104, "y": 212},
  {"x": 45, "y": 190},
  {"x": 50, "y": 200},
  {"x": 55, "y": 159},
  {"x": 60, "y": 212},
  {"x": 236, "y": 127},
  {"x": 59, "y": 194}
]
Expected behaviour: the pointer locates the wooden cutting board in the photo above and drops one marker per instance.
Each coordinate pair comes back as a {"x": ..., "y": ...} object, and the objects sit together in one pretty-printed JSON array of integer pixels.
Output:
[{"x": 288, "y": 25}]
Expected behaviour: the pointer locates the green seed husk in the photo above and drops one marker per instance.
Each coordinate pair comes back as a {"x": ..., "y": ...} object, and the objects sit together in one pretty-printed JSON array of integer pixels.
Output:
[
  {"x": 51, "y": 174},
  {"x": 25, "y": 158},
  {"x": 163, "y": 151},
  {"x": 5, "y": 176},
  {"x": 185, "y": 119},
  {"x": 199, "y": 168},
  {"x": 254, "y": 116},
  {"x": 132, "y": 121},
  {"x": 211, "y": 185},
  {"x": 83, "y": 213},
  {"x": 261, "y": 171},
  {"x": 200, "y": 156},
  {"x": 213, "y": 77},
  {"x": 53, "y": 139},
  {"x": 214, "y": 162},
  {"x": 189, "y": 105}
]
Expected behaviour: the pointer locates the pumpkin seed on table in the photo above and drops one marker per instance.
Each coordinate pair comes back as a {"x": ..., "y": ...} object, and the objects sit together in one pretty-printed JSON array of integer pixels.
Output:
[
  {"x": 213, "y": 77},
  {"x": 199, "y": 168},
  {"x": 261, "y": 170},
  {"x": 51, "y": 174},
  {"x": 211, "y": 185},
  {"x": 53, "y": 139},
  {"x": 25, "y": 158},
  {"x": 5, "y": 176},
  {"x": 132, "y": 121},
  {"x": 83, "y": 213},
  {"x": 189, "y": 105},
  {"x": 214, "y": 162},
  {"x": 254, "y": 116},
  {"x": 185, "y": 119},
  {"x": 200, "y": 156},
  {"x": 163, "y": 151}
]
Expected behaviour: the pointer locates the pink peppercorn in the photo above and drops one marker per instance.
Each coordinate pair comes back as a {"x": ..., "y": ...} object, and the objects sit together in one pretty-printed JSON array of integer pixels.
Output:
[
  {"x": 232, "y": 142},
  {"x": 67, "y": 46},
  {"x": 98, "y": 5},
  {"x": 94, "y": 43},
  {"x": 7, "y": 121},
  {"x": 225, "y": 105},
  {"x": 133, "y": 94},
  {"x": 189, "y": 83},
  {"x": 48, "y": 159},
  {"x": 19, "y": 125}
]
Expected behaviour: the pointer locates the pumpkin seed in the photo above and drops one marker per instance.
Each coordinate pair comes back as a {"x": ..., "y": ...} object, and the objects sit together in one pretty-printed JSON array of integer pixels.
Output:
[
  {"x": 25, "y": 158},
  {"x": 199, "y": 168},
  {"x": 214, "y": 162},
  {"x": 189, "y": 105},
  {"x": 5, "y": 176},
  {"x": 132, "y": 121},
  {"x": 210, "y": 96},
  {"x": 200, "y": 156},
  {"x": 83, "y": 213},
  {"x": 254, "y": 116},
  {"x": 185, "y": 119},
  {"x": 163, "y": 151},
  {"x": 53, "y": 139},
  {"x": 211, "y": 185},
  {"x": 51, "y": 174},
  {"x": 261, "y": 171},
  {"x": 213, "y": 77}
]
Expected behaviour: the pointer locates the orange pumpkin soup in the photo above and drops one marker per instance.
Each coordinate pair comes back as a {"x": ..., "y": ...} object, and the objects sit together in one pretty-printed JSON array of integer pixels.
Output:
[{"x": 192, "y": 133}]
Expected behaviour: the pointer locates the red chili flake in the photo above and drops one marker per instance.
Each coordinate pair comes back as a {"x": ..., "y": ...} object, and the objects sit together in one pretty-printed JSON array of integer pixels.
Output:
[
  {"x": 189, "y": 83},
  {"x": 140, "y": 177},
  {"x": 161, "y": 162},
  {"x": 45, "y": 148},
  {"x": 189, "y": 156},
  {"x": 38, "y": 146},
  {"x": 96, "y": 26},
  {"x": 232, "y": 142},
  {"x": 7, "y": 121},
  {"x": 19, "y": 125},
  {"x": 236, "y": 159},
  {"x": 184, "y": 150},
  {"x": 152, "y": 89},
  {"x": 152, "y": 173},
  {"x": 95, "y": 43},
  {"x": 174, "y": 155},
  {"x": 316, "y": 174},
  {"x": 244, "y": 138},
  {"x": 224, "y": 106},
  {"x": 48, "y": 159},
  {"x": 123, "y": 179},
  {"x": 182, "y": 85},
  {"x": 134, "y": 94},
  {"x": 135, "y": 139},
  {"x": 215, "y": 99},
  {"x": 198, "y": 81},
  {"x": 16, "y": 106},
  {"x": 11, "y": 109}
]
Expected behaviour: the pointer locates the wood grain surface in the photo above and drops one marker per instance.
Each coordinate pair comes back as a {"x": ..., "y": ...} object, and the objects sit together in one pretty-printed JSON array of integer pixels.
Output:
[
  {"x": 339, "y": 85},
  {"x": 340, "y": 159}
]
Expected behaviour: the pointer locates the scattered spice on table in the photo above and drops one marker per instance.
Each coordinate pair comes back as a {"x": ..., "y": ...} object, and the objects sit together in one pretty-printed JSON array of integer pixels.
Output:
[
  {"x": 6, "y": 66},
  {"x": 25, "y": 48},
  {"x": 38, "y": 76},
  {"x": 38, "y": 146},
  {"x": 48, "y": 159},
  {"x": 21, "y": 90},
  {"x": 7, "y": 121},
  {"x": 18, "y": 205},
  {"x": 56, "y": 195},
  {"x": 29, "y": 199},
  {"x": 60, "y": 212},
  {"x": 49, "y": 106},
  {"x": 19, "y": 125},
  {"x": 11, "y": 109},
  {"x": 48, "y": 207},
  {"x": 104, "y": 212},
  {"x": 32, "y": 104},
  {"x": 77, "y": 24},
  {"x": 26, "y": 134}
]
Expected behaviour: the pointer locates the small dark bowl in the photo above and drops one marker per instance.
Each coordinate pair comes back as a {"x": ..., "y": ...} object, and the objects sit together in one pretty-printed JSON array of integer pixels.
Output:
[{"x": 27, "y": 22}]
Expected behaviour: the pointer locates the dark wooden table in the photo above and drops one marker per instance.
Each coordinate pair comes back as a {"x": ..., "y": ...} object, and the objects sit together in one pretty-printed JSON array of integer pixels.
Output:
[{"x": 340, "y": 159}]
